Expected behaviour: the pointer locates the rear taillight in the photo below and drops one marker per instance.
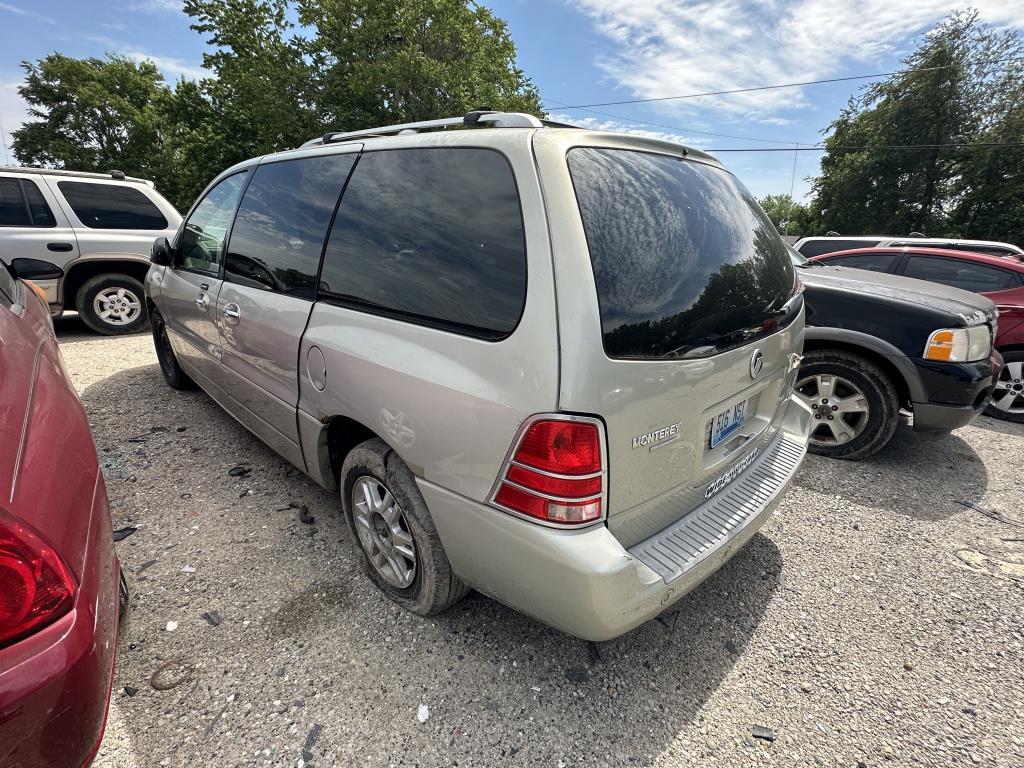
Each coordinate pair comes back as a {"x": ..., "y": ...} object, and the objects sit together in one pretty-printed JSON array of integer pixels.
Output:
[
  {"x": 556, "y": 472},
  {"x": 36, "y": 587}
]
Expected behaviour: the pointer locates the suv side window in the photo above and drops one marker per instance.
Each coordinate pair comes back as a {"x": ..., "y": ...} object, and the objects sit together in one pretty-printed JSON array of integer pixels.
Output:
[
  {"x": 111, "y": 206},
  {"x": 818, "y": 247},
  {"x": 13, "y": 212},
  {"x": 282, "y": 222},
  {"x": 201, "y": 245},
  {"x": 967, "y": 275},
  {"x": 876, "y": 262},
  {"x": 433, "y": 236},
  {"x": 38, "y": 208}
]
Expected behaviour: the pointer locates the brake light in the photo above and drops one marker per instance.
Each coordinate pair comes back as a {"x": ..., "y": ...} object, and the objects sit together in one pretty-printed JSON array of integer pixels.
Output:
[
  {"x": 36, "y": 587},
  {"x": 556, "y": 473}
]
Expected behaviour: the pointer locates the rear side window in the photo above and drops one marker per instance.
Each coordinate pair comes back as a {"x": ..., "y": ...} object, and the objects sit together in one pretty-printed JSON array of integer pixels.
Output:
[
  {"x": 686, "y": 262},
  {"x": 433, "y": 236},
  {"x": 818, "y": 247},
  {"x": 13, "y": 212},
  {"x": 111, "y": 206},
  {"x": 40, "y": 211},
  {"x": 967, "y": 275},
  {"x": 876, "y": 262},
  {"x": 282, "y": 221}
]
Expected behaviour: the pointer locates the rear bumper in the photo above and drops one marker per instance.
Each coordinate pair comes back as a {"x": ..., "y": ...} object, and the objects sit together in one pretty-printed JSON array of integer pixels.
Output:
[
  {"x": 55, "y": 684},
  {"x": 957, "y": 392},
  {"x": 584, "y": 582}
]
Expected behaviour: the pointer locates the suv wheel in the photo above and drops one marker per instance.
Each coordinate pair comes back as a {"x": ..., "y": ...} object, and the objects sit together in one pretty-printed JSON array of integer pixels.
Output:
[
  {"x": 855, "y": 405},
  {"x": 175, "y": 377},
  {"x": 112, "y": 304},
  {"x": 402, "y": 553},
  {"x": 1008, "y": 397}
]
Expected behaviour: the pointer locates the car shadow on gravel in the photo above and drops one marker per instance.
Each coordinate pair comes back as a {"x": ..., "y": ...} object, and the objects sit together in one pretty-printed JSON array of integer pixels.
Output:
[
  {"x": 928, "y": 479},
  {"x": 71, "y": 330},
  {"x": 303, "y": 638},
  {"x": 1000, "y": 426}
]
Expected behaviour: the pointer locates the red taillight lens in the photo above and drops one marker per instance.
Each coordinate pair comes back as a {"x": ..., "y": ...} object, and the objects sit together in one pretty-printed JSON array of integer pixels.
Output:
[
  {"x": 36, "y": 588},
  {"x": 556, "y": 473},
  {"x": 565, "y": 447}
]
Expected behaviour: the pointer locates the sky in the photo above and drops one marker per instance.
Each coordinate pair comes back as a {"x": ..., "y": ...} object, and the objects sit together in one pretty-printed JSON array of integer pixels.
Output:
[{"x": 589, "y": 51}]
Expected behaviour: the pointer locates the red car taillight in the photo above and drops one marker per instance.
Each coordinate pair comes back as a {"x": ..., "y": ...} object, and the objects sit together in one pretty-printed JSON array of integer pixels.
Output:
[
  {"x": 556, "y": 473},
  {"x": 36, "y": 587}
]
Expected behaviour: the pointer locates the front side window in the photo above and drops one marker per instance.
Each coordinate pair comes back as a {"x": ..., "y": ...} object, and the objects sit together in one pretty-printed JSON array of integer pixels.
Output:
[
  {"x": 282, "y": 221},
  {"x": 685, "y": 262},
  {"x": 875, "y": 262},
  {"x": 433, "y": 236},
  {"x": 977, "y": 278},
  {"x": 111, "y": 206},
  {"x": 202, "y": 240}
]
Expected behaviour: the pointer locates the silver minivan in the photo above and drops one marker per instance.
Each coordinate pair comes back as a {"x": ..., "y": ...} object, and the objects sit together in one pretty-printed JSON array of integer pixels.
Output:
[{"x": 549, "y": 364}]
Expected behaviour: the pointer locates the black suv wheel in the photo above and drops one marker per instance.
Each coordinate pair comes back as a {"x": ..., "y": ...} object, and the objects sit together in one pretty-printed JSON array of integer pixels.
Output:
[{"x": 855, "y": 404}]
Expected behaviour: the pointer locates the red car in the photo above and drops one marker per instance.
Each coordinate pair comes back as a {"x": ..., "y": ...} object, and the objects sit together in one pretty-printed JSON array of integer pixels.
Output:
[
  {"x": 1000, "y": 278},
  {"x": 59, "y": 576}
]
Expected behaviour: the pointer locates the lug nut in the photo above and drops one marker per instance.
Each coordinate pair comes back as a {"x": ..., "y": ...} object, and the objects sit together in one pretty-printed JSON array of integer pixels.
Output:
[
  {"x": 835, "y": 407},
  {"x": 830, "y": 418}
]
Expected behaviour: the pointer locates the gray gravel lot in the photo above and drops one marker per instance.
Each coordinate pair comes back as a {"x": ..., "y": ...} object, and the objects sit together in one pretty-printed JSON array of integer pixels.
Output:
[{"x": 876, "y": 621}]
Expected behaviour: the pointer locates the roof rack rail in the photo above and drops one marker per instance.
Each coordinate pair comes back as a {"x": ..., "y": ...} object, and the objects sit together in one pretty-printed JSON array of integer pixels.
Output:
[
  {"x": 115, "y": 175},
  {"x": 482, "y": 116}
]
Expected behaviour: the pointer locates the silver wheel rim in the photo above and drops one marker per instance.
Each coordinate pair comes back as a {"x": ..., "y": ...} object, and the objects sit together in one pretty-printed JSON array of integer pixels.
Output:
[
  {"x": 117, "y": 306},
  {"x": 384, "y": 532},
  {"x": 841, "y": 410},
  {"x": 1008, "y": 395}
]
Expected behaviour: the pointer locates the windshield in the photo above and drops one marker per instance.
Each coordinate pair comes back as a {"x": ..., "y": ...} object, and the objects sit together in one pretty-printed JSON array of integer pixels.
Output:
[{"x": 685, "y": 261}]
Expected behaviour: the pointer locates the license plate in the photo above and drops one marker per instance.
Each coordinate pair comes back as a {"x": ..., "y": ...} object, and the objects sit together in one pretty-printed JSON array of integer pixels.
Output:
[{"x": 727, "y": 422}]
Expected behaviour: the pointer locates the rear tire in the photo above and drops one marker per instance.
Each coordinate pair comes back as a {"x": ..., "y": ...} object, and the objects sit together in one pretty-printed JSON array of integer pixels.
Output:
[
  {"x": 385, "y": 512},
  {"x": 175, "y": 377},
  {"x": 1010, "y": 399},
  {"x": 862, "y": 408},
  {"x": 112, "y": 304}
]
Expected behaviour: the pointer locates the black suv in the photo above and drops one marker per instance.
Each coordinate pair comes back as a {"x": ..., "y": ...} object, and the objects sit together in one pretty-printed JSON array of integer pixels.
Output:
[{"x": 877, "y": 343}]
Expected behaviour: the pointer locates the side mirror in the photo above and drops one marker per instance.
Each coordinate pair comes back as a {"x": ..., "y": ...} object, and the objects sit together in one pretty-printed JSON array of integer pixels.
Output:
[
  {"x": 36, "y": 269},
  {"x": 162, "y": 255}
]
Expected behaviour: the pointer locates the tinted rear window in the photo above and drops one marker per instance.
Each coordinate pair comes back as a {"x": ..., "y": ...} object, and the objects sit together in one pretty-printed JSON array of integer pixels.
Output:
[
  {"x": 876, "y": 262},
  {"x": 685, "y": 261},
  {"x": 817, "y": 247},
  {"x": 966, "y": 275},
  {"x": 111, "y": 206},
  {"x": 282, "y": 222},
  {"x": 432, "y": 236}
]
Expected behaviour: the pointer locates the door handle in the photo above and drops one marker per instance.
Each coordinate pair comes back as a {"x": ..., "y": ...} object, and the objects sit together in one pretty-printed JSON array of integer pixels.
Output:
[
  {"x": 232, "y": 310},
  {"x": 202, "y": 301},
  {"x": 60, "y": 247}
]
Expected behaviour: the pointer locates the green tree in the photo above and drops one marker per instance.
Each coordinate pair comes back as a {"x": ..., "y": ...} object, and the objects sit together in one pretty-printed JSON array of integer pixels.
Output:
[
  {"x": 783, "y": 209},
  {"x": 90, "y": 114},
  {"x": 944, "y": 96}
]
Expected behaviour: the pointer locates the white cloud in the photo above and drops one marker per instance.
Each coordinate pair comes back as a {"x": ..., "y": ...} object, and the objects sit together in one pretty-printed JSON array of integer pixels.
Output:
[
  {"x": 173, "y": 6},
  {"x": 670, "y": 47},
  {"x": 599, "y": 124},
  {"x": 26, "y": 13},
  {"x": 171, "y": 67}
]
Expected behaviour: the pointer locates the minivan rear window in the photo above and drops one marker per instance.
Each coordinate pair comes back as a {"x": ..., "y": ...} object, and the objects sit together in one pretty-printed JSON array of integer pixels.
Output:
[{"x": 685, "y": 261}]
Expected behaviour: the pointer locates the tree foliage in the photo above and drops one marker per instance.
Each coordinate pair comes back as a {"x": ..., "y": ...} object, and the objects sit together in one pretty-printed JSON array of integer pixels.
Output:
[
  {"x": 962, "y": 86},
  {"x": 788, "y": 216},
  {"x": 281, "y": 71}
]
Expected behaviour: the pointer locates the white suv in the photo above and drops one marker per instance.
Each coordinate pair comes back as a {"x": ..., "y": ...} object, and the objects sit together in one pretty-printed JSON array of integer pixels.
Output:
[{"x": 85, "y": 239}]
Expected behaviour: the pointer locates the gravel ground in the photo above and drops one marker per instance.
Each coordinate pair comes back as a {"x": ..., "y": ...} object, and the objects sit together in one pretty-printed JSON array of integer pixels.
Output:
[{"x": 876, "y": 621}]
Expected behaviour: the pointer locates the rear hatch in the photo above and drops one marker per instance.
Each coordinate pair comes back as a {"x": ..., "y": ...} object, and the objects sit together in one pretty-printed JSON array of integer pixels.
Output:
[{"x": 678, "y": 325}]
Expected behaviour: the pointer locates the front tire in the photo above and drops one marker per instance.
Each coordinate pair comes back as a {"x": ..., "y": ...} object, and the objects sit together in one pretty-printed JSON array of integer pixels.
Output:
[
  {"x": 390, "y": 523},
  {"x": 175, "y": 377},
  {"x": 1007, "y": 401},
  {"x": 112, "y": 304},
  {"x": 855, "y": 404}
]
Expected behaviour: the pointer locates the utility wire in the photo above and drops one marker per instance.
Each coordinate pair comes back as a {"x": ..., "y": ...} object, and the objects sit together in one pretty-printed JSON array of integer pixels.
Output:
[{"x": 781, "y": 85}]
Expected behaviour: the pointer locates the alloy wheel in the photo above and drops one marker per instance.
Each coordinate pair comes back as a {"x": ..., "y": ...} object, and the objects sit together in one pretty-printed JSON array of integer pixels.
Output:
[
  {"x": 840, "y": 408},
  {"x": 384, "y": 532},
  {"x": 1008, "y": 395},
  {"x": 117, "y": 306}
]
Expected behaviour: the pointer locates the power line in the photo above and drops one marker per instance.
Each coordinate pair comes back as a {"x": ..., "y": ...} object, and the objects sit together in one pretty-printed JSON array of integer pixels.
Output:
[
  {"x": 781, "y": 85},
  {"x": 872, "y": 147},
  {"x": 672, "y": 127}
]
